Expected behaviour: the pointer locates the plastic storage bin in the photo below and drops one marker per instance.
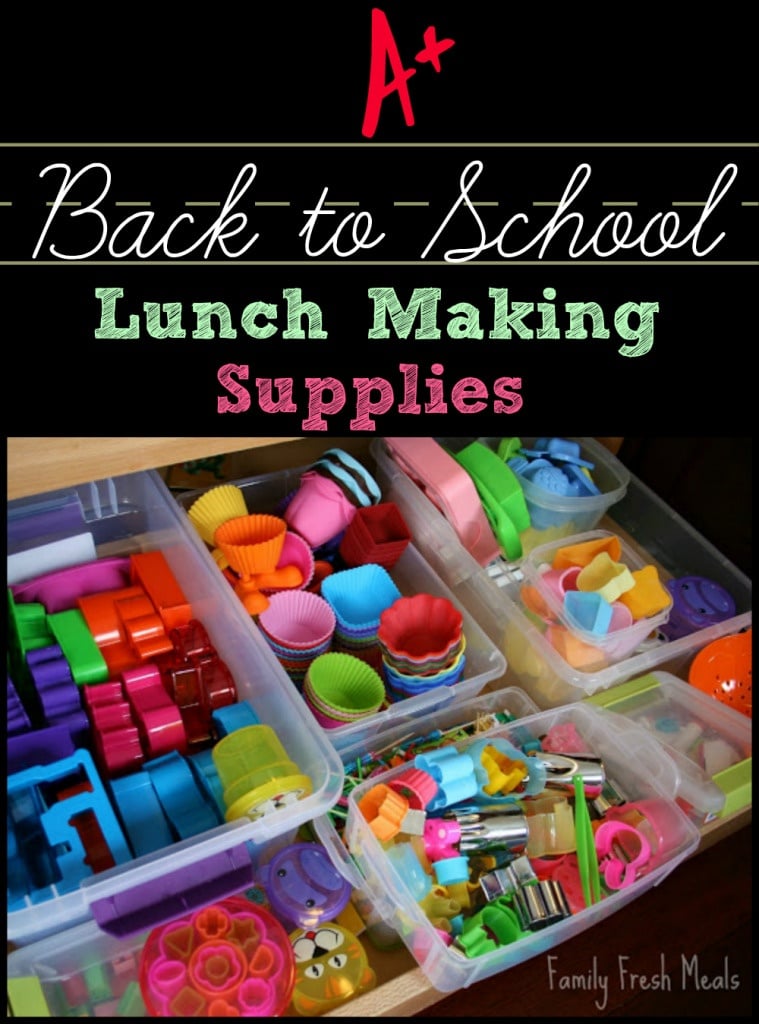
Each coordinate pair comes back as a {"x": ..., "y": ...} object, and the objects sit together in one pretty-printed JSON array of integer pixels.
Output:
[
  {"x": 552, "y": 514},
  {"x": 491, "y": 593},
  {"x": 84, "y": 973},
  {"x": 509, "y": 700},
  {"x": 233, "y": 957},
  {"x": 411, "y": 574},
  {"x": 605, "y": 647},
  {"x": 709, "y": 741},
  {"x": 132, "y": 514},
  {"x": 78, "y": 967},
  {"x": 632, "y": 761}
]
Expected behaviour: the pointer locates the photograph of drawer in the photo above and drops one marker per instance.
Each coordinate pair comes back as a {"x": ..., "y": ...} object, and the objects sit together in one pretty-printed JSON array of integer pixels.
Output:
[{"x": 79, "y": 950}]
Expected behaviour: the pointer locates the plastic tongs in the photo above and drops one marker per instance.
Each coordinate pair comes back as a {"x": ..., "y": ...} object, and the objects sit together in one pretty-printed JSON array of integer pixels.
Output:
[{"x": 587, "y": 858}]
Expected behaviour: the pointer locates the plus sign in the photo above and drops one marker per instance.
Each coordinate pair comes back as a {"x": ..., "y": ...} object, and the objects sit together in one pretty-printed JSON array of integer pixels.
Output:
[
  {"x": 433, "y": 48},
  {"x": 384, "y": 49}
]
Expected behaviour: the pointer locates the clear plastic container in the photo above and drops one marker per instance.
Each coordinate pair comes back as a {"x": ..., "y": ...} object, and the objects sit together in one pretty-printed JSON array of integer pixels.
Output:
[
  {"x": 634, "y": 764},
  {"x": 83, "y": 971},
  {"x": 600, "y": 649},
  {"x": 78, "y": 970},
  {"x": 709, "y": 741},
  {"x": 411, "y": 574},
  {"x": 136, "y": 513},
  {"x": 509, "y": 700},
  {"x": 649, "y": 526},
  {"x": 553, "y": 515}
]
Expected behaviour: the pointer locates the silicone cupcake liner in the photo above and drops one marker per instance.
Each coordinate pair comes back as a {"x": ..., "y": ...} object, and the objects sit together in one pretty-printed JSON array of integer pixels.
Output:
[
  {"x": 296, "y": 670},
  {"x": 377, "y": 533},
  {"x": 335, "y": 716},
  {"x": 344, "y": 686},
  {"x": 366, "y": 631},
  {"x": 294, "y": 657},
  {"x": 419, "y": 683},
  {"x": 342, "y": 683},
  {"x": 325, "y": 708},
  {"x": 370, "y": 653},
  {"x": 357, "y": 643},
  {"x": 295, "y": 552},
  {"x": 366, "y": 639},
  {"x": 420, "y": 627},
  {"x": 359, "y": 596},
  {"x": 400, "y": 690},
  {"x": 297, "y": 678},
  {"x": 210, "y": 510},
  {"x": 253, "y": 543},
  {"x": 298, "y": 620},
  {"x": 425, "y": 668},
  {"x": 325, "y": 721},
  {"x": 397, "y": 695}
]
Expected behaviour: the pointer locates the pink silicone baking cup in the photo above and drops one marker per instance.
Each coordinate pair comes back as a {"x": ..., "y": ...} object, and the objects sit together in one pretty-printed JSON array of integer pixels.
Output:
[
  {"x": 295, "y": 551},
  {"x": 298, "y": 620}
]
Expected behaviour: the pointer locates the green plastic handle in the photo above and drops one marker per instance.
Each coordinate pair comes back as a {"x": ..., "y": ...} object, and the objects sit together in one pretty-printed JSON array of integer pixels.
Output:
[
  {"x": 500, "y": 493},
  {"x": 587, "y": 858}
]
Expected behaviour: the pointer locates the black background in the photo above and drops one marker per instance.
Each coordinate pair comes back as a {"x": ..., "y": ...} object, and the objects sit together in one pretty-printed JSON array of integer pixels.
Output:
[{"x": 299, "y": 74}]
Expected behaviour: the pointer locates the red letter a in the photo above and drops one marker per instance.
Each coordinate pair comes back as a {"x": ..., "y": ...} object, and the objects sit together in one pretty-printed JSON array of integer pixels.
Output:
[{"x": 383, "y": 45}]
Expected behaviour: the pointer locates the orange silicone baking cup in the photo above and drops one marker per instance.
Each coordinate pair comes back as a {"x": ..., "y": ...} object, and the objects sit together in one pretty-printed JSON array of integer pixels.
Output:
[{"x": 253, "y": 543}]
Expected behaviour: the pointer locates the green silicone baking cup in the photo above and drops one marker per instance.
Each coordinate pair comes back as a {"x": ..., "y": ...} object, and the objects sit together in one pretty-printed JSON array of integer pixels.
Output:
[{"x": 345, "y": 684}]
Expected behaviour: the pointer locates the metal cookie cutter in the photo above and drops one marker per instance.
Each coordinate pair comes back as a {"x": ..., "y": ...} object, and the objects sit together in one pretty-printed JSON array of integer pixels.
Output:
[{"x": 537, "y": 903}]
